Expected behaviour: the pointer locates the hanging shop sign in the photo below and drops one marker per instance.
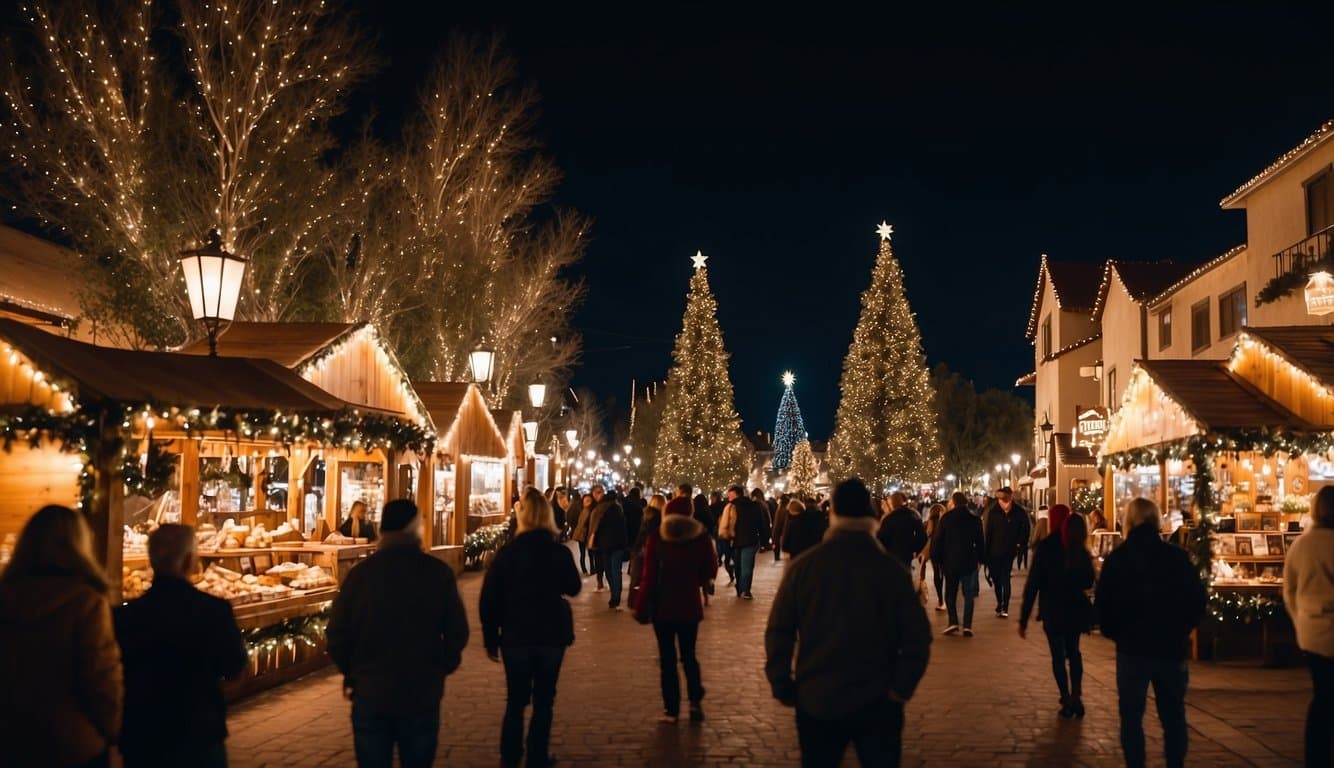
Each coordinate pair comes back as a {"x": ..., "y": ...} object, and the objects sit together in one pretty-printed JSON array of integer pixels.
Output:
[{"x": 1090, "y": 426}]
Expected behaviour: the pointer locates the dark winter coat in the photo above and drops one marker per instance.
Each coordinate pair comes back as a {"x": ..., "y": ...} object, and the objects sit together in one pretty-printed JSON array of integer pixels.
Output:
[
  {"x": 715, "y": 516},
  {"x": 1150, "y": 596},
  {"x": 523, "y": 595},
  {"x": 804, "y": 530},
  {"x": 178, "y": 644},
  {"x": 607, "y": 527},
  {"x": 850, "y": 613},
  {"x": 367, "y": 531},
  {"x": 752, "y": 523},
  {"x": 1006, "y": 532},
  {"x": 1061, "y": 588},
  {"x": 959, "y": 542},
  {"x": 902, "y": 534},
  {"x": 633, "y": 509},
  {"x": 679, "y": 561},
  {"x": 704, "y": 514},
  {"x": 398, "y": 627}
]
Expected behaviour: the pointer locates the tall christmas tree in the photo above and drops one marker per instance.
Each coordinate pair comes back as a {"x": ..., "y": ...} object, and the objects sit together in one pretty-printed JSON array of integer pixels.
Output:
[
  {"x": 789, "y": 428},
  {"x": 885, "y": 429},
  {"x": 700, "y": 440},
  {"x": 805, "y": 469}
]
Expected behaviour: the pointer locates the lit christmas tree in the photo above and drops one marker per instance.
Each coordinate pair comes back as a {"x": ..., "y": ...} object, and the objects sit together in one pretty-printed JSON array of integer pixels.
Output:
[
  {"x": 801, "y": 476},
  {"x": 885, "y": 429},
  {"x": 789, "y": 429},
  {"x": 700, "y": 440}
]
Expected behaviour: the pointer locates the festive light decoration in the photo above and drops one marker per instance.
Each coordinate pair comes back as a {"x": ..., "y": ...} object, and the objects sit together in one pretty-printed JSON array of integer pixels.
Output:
[
  {"x": 1237, "y": 608},
  {"x": 804, "y": 470},
  {"x": 789, "y": 428},
  {"x": 700, "y": 440},
  {"x": 1309, "y": 143},
  {"x": 488, "y": 538},
  {"x": 1320, "y": 294},
  {"x": 309, "y": 630},
  {"x": 1249, "y": 343},
  {"x": 886, "y": 426},
  {"x": 1207, "y": 266}
]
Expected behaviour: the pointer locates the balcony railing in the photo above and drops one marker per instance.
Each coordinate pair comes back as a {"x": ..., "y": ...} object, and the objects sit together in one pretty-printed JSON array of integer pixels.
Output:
[{"x": 1299, "y": 256}]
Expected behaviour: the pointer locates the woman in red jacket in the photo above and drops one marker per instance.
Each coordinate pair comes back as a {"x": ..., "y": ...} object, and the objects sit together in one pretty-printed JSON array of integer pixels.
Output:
[{"x": 679, "y": 564}]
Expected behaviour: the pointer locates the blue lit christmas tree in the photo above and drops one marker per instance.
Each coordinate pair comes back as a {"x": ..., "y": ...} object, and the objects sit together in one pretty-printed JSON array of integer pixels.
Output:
[{"x": 789, "y": 429}]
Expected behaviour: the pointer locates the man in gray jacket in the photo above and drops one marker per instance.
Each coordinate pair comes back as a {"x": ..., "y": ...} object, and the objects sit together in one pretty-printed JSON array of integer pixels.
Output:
[{"x": 861, "y": 635}]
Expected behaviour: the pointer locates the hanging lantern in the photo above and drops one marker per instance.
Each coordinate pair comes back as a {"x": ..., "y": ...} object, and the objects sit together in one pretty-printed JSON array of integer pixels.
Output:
[
  {"x": 572, "y": 437},
  {"x": 1320, "y": 294},
  {"x": 480, "y": 361},
  {"x": 530, "y": 431},
  {"x": 213, "y": 282},
  {"x": 537, "y": 394}
]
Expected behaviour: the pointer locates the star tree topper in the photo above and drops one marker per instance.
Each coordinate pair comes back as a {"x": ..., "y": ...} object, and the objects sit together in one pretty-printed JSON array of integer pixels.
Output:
[
  {"x": 885, "y": 230},
  {"x": 699, "y": 258},
  {"x": 788, "y": 378}
]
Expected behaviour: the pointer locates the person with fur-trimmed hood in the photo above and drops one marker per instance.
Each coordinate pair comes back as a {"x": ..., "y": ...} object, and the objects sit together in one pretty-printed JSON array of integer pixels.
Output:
[{"x": 679, "y": 564}]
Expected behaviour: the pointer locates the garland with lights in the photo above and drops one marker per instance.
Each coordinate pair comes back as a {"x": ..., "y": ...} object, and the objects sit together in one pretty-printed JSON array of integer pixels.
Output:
[
  {"x": 154, "y": 476},
  {"x": 488, "y": 538},
  {"x": 1294, "y": 279},
  {"x": 1236, "y": 608},
  {"x": 1086, "y": 500},
  {"x": 310, "y": 630}
]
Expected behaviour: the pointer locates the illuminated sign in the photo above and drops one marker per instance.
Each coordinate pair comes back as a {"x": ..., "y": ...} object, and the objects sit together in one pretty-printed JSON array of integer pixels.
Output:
[{"x": 1090, "y": 427}]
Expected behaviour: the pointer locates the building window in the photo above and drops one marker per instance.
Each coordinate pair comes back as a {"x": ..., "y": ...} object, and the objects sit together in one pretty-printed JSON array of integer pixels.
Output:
[
  {"x": 1165, "y": 329},
  {"x": 1111, "y": 389},
  {"x": 1320, "y": 202},
  {"x": 1199, "y": 326},
  {"x": 1232, "y": 311},
  {"x": 1046, "y": 338}
]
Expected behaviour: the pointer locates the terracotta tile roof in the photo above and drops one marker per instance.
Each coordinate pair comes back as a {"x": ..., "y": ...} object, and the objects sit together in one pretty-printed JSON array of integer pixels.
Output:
[
  {"x": 1216, "y": 398},
  {"x": 168, "y": 378},
  {"x": 1075, "y": 284},
  {"x": 1321, "y": 134},
  {"x": 289, "y": 344}
]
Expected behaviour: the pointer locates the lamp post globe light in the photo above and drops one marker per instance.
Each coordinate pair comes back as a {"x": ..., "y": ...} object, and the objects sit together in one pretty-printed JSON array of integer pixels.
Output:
[
  {"x": 572, "y": 438},
  {"x": 480, "y": 362},
  {"x": 213, "y": 282},
  {"x": 537, "y": 394}
]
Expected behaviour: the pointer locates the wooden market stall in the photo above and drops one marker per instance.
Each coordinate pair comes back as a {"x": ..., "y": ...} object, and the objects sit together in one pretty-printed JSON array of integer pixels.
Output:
[
  {"x": 140, "y": 438},
  {"x": 511, "y": 426},
  {"x": 471, "y": 463},
  {"x": 1232, "y": 451}
]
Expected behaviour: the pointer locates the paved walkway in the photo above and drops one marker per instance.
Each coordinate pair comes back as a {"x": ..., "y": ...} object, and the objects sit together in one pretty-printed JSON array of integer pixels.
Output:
[{"x": 985, "y": 701}]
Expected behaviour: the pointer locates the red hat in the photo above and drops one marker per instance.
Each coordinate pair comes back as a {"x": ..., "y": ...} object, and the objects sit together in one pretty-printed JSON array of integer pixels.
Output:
[
  {"x": 679, "y": 506},
  {"x": 1056, "y": 517}
]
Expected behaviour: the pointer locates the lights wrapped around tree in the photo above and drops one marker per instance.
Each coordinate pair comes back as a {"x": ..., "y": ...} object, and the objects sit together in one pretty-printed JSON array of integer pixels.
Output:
[
  {"x": 789, "y": 427},
  {"x": 805, "y": 470}
]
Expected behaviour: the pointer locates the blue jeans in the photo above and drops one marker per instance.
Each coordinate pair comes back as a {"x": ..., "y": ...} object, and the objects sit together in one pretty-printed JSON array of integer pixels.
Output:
[
  {"x": 374, "y": 736},
  {"x": 970, "y": 587},
  {"x": 611, "y": 568},
  {"x": 1064, "y": 648},
  {"x": 530, "y": 675},
  {"x": 724, "y": 548},
  {"x": 745, "y": 568},
  {"x": 670, "y": 634},
  {"x": 1134, "y": 674}
]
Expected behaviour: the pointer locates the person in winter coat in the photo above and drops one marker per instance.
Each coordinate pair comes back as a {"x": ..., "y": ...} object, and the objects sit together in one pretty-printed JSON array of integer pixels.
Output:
[
  {"x": 931, "y": 554},
  {"x": 1062, "y": 573},
  {"x": 61, "y": 691},
  {"x": 178, "y": 644},
  {"x": 1150, "y": 597},
  {"x": 779, "y": 516},
  {"x": 632, "y": 506},
  {"x": 526, "y": 622},
  {"x": 356, "y": 526},
  {"x": 608, "y": 539},
  {"x": 1308, "y": 595},
  {"x": 581, "y": 536},
  {"x": 745, "y": 524},
  {"x": 861, "y": 640},
  {"x": 717, "y": 508},
  {"x": 679, "y": 566},
  {"x": 703, "y": 515},
  {"x": 396, "y": 630},
  {"x": 1007, "y": 533},
  {"x": 652, "y": 519},
  {"x": 804, "y": 529},
  {"x": 962, "y": 550},
  {"x": 901, "y": 531}
]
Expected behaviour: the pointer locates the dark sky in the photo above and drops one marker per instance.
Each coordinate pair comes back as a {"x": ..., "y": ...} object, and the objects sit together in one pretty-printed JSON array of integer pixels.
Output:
[{"x": 775, "y": 141}]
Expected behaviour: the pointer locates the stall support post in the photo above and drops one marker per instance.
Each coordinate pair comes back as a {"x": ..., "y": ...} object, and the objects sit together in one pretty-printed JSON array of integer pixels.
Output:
[
  {"x": 426, "y": 499},
  {"x": 1109, "y": 495},
  {"x": 296, "y": 486},
  {"x": 333, "y": 493},
  {"x": 462, "y": 482},
  {"x": 105, "y": 515},
  {"x": 189, "y": 482}
]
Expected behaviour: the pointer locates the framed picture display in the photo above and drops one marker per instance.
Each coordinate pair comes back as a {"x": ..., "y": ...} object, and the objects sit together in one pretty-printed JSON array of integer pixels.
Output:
[
  {"x": 263, "y": 563},
  {"x": 1288, "y": 538},
  {"x": 1248, "y": 522},
  {"x": 1260, "y": 545},
  {"x": 1244, "y": 570},
  {"x": 1269, "y": 522},
  {"x": 1275, "y": 543},
  {"x": 1244, "y": 547},
  {"x": 1227, "y": 544},
  {"x": 247, "y": 565}
]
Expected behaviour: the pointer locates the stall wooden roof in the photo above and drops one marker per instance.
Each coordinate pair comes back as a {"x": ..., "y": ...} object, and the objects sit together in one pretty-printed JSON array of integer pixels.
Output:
[
  {"x": 1070, "y": 455},
  {"x": 1309, "y": 347},
  {"x": 167, "y": 378},
  {"x": 37, "y": 278},
  {"x": 460, "y": 410},
  {"x": 1215, "y": 397},
  {"x": 289, "y": 344},
  {"x": 510, "y": 424}
]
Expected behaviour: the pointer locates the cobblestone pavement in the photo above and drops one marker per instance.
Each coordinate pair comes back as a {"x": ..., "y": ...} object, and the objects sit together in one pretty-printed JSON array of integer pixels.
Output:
[{"x": 985, "y": 701}]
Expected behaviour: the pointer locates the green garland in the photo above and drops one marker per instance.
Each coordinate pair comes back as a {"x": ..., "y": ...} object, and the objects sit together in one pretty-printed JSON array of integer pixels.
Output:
[
  {"x": 1293, "y": 279},
  {"x": 1236, "y": 608},
  {"x": 155, "y": 476},
  {"x": 488, "y": 538},
  {"x": 1086, "y": 500},
  {"x": 309, "y": 629}
]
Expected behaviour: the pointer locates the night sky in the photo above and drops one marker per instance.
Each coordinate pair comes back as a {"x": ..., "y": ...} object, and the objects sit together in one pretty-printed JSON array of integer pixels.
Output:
[{"x": 776, "y": 141}]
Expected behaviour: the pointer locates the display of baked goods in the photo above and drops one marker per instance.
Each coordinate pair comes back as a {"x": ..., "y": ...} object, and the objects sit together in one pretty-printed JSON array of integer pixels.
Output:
[
  {"x": 135, "y": 582},
  {"x": 286, "y": 533},
  {"x": 237, "y": 588},
  {"x": 232, "y": 536},
  {"x": 339, "y": 539},
  {"x": 301, "y": 576},
  {"x": 135, "y": 543}
]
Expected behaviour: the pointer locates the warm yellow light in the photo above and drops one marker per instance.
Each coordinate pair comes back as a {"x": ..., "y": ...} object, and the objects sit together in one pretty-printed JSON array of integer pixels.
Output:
[{"x": 789, "y": 378}]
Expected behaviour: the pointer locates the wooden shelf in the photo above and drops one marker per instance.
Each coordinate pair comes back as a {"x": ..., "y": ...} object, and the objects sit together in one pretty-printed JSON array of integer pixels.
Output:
[
  {"x": 1251, "y": 558},
  {"x": 266, "y": 613},
  {"x": 1226, "y": 587}
]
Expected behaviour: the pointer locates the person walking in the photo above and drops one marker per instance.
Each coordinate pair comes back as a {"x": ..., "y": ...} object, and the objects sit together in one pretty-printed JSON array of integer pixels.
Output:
[
  {"x": 701, "y": 512},
  {"x": 679, "y": 566},
  {"x": 933, "y": 554},
  {"x": 962, "y": 551},
  {"x": 1308, "y": 595},
  {"x": 632, "y": 506},
  {"x": 745, "y": 525},
  {"x": 717, "y": 510},
  {"x": 581, "y": 534},
  {"x": 776, "y": 534},
  {"x": 397, "y": 629},
  {"x": 178, "y": 645},
  {"x": 804, "y": 529},
  {"x": 608, "y": 540},
  {"x": 652, "y": 518},
  {"x": 901, "y": 531},
  {"x": 1150, "y": 597},
  {"x": 1062, "y": 574},
  {"x": 860, "y": 636},
  {"x": 1007, "y": 533},
  {"x": 62, "y": 690},
  {"x": 527, "y": 624}
]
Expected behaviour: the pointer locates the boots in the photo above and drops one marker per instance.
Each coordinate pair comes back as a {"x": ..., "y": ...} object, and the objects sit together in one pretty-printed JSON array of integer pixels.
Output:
[{"x": 1076, "y": 700}]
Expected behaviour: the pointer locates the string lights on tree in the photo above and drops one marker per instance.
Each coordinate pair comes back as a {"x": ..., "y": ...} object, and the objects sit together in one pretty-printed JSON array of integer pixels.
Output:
[
  {"x": 886, "y": 427},
  {"x": 804, "y": 471},
  {"x": 699, "y": 440},
  {"x": 789, "y": 428}
]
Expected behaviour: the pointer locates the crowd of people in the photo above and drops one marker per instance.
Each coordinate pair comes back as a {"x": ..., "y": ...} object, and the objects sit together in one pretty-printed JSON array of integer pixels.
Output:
[{"x": 847, "y": 639}]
